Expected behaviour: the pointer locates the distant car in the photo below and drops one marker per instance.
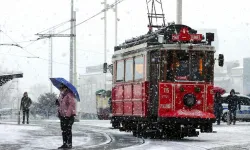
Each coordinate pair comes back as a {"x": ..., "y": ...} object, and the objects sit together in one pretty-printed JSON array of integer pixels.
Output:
[{"x": 243, "y": 114}]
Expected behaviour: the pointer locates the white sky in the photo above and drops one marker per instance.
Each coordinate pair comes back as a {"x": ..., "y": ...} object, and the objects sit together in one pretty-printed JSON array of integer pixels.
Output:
[{"x": 22, "y": 19}]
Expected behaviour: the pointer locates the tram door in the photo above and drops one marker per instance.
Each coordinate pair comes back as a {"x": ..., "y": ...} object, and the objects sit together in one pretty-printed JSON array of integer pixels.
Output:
[{"x": 154, "y": 76}]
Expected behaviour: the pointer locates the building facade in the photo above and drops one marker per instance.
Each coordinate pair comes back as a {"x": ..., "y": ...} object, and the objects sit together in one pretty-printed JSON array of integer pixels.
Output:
[
  {"x": 234, "y": 76},
  {"x": 89, "y": 83},
  {"x": 246, "y": 76}
]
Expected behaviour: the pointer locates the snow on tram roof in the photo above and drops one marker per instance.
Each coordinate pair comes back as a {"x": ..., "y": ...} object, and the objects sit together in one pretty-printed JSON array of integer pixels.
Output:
[{"x": 176, "y": 46}]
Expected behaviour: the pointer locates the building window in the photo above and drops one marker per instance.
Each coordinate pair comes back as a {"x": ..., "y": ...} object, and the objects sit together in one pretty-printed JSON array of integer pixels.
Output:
[
  {"x": 120, "y": 71},
  {"x": 129, "y": 70},
  {"x": 139, "y": 63}
]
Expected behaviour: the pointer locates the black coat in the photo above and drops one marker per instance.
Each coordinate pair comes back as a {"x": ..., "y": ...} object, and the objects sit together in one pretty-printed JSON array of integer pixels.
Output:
[
  {"x": 233, "y": 101},
  {"x": 218, "y": 108},
  {"x": 25, "y": 103}
]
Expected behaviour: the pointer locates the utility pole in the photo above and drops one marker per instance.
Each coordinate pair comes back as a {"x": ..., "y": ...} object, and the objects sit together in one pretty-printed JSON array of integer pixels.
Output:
[
  {"x": 50, "y": 65},
  {"x": 116, "y": 25},
  {"x": 51, "y": 60},
  {"x": 74, "y": 32},
  {"x": 105, "y": 39},
  {"x": 179, "y": 12},
  {"x": 72, "y": 57},
  {"x": 71, "y": 43},
  {"x": 77, "y": 119}
]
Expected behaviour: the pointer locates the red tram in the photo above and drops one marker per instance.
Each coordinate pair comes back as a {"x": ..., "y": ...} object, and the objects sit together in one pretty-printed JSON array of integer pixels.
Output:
[{"x": 163, "y": 83}]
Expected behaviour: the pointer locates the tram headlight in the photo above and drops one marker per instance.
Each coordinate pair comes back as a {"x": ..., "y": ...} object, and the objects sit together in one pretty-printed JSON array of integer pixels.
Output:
[{"x": 189, "y": 100}]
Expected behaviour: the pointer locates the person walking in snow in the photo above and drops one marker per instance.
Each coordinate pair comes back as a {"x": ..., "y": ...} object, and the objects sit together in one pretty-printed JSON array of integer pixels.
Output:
[
  {"x": 233, "y": 102},
  {"x": 25, "y": 105},
  {"x": 66, "y": 113}
]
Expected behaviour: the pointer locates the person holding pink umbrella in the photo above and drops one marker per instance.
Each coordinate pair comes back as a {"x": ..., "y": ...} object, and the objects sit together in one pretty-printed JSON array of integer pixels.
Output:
[
  {"x": 218, "y": 108},
  {"x": 66, "y": 113}
]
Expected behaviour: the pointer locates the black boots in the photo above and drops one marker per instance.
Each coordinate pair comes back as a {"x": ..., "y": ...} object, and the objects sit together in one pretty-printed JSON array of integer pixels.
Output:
[
  {"x": 65, "y": 146},
  {"x": 62, "y": 147}
]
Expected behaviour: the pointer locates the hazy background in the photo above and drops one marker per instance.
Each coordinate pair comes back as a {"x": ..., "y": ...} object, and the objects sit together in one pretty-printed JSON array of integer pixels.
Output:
[{"x": 22, "y": 19}]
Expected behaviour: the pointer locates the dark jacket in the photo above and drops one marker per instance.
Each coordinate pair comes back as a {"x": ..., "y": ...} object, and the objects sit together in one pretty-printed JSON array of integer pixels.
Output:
[
  {"x": 218, "y": 104},
  {"x": 233, "y": 101},
  {"x": 25, "y": 103}
]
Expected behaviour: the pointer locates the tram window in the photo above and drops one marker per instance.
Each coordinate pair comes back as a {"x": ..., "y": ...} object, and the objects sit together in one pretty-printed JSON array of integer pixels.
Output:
[
  {"x": 139, "y": 61},
  {"x": 129, "y": 69},
  {"x": 170, "y": 70},
  {"x": 120, "y": 71},
  {"x": 209, "y": 65},
  {"x": 182, "y": 65},
  {"x": 196, "y": 66}
]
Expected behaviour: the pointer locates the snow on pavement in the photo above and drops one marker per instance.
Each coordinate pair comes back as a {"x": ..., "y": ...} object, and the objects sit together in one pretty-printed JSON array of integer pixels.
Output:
[
  {"x": 13, "y": 134},
  {"x": 226, "y": 136},
  {"x": 19, "y": 134},
  {"x": 52, "y": 142}
]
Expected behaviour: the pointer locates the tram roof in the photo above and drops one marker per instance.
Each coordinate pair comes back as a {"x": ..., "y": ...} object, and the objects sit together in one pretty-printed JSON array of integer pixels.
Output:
[
  {"x": 176, "y": 46},
  {"x": 172, "y": 37}
]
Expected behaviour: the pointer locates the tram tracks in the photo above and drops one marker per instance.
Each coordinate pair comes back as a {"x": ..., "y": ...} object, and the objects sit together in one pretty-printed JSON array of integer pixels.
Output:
[
  {"x": 116, "y": 140},
  {"x": 96, "y": 138}
]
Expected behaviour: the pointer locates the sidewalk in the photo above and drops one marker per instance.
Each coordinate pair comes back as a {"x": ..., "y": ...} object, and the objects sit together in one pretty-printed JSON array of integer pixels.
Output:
[
  {"x": 34, "y": 136},
  {"x": 236, "y": 147}
]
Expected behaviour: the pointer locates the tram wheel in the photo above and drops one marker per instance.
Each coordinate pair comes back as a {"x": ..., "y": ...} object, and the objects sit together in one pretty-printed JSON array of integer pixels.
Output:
[{"x": 115, "y": 125}]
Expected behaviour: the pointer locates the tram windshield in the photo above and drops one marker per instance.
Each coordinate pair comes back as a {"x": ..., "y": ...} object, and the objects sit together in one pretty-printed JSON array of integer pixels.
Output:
[{"x": 189, "y": 66}]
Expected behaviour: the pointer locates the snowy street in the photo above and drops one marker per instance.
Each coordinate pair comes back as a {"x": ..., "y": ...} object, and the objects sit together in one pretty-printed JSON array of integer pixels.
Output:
[
  {"x": 47, "y": 135},
  {"x": 97, "y": 135},
  {"x": 165, "y": 70}
]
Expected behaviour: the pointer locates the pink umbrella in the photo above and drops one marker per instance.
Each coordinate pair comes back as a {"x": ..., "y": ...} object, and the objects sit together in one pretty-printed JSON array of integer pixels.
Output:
[{"x": 220, "y": 90}]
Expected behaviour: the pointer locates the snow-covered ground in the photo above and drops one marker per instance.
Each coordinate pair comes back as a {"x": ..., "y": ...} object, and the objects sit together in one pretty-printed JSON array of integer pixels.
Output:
[
  {"x": 11, "y": 133},
  {"x": 226, "y": 136}
]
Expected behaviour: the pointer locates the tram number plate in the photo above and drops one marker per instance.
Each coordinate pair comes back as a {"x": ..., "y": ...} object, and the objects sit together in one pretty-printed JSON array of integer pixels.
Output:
[
  {"x": 165, "y": 106},
  {"x": 166, "y": 90}
]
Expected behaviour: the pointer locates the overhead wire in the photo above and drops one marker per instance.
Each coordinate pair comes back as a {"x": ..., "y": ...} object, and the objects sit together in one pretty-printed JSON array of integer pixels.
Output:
[
  {"x": 111, "y": 6},
  {"x": 26, "y": 41},
  {"x": 23, "y": 48},
  {"x": 53, "y": 27},
  {"x": 16, "y": 44},
  {"x": 56, "y": 26},
  {"x": 33, "y": 41},
  {"x": 97, "y": 14}
]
